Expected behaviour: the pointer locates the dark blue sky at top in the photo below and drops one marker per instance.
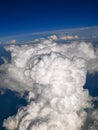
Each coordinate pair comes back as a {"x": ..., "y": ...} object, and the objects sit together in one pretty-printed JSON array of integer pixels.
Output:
[{"x": 26, "y": 16}]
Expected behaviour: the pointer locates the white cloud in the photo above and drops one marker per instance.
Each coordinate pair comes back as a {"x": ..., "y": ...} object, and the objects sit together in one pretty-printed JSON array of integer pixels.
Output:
[
  {"x": 62, "y": 91},
  {"x": 37, "y": 40},
  {"x": 11, "y": 41},
  {"x": 69, "y": 37},
  {"x": 53, "y": 37},
  {"x": 54, "y": 74}
]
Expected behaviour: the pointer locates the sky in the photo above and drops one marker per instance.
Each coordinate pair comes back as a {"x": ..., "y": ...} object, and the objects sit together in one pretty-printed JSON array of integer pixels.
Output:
[{"x": 26, "y": 16}]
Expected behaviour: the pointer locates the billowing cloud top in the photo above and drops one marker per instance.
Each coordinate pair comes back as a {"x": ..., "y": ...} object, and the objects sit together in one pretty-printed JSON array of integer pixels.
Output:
[{"x": 54, "y": 75}]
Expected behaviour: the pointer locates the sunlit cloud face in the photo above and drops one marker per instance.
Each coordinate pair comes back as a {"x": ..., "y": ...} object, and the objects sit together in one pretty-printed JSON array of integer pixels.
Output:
[{"x": 54, "y": 75}]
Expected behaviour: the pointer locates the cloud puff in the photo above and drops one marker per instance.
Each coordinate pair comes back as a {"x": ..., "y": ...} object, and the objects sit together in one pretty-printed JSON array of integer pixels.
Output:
[
  {"x": 69, "y": 37},
  {"x": 53, "y": 37},
  {"x": 54, "y": 75}
]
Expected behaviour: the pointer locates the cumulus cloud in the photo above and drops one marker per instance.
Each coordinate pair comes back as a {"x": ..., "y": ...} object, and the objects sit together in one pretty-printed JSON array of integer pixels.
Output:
[
  {"x": 53, "y": 37},
  {"x": 54, "y": 75},
  {"x": 69, "y": 37}
]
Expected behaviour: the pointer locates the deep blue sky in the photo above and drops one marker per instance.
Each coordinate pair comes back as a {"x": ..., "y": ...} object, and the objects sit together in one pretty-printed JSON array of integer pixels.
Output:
[{"x": 26, "y": 16}]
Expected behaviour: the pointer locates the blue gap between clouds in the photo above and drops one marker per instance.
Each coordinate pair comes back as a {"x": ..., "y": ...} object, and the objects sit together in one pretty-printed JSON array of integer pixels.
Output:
[
  {"x": 92, "y": 86},
  {"x": 9, "y": 101},
  {"x": 9, "y": 104}
]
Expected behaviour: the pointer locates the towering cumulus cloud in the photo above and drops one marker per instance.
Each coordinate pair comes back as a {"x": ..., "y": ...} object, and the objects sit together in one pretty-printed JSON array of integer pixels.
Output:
[{"x": 54, "y": 75}]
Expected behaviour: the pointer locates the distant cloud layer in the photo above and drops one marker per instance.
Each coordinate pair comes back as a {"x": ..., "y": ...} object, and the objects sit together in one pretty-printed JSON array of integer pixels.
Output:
[
  {"x": 54, "y": 75},
  {"x": 69, "y": 37},
  {"x": 13, "y": 41}
]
